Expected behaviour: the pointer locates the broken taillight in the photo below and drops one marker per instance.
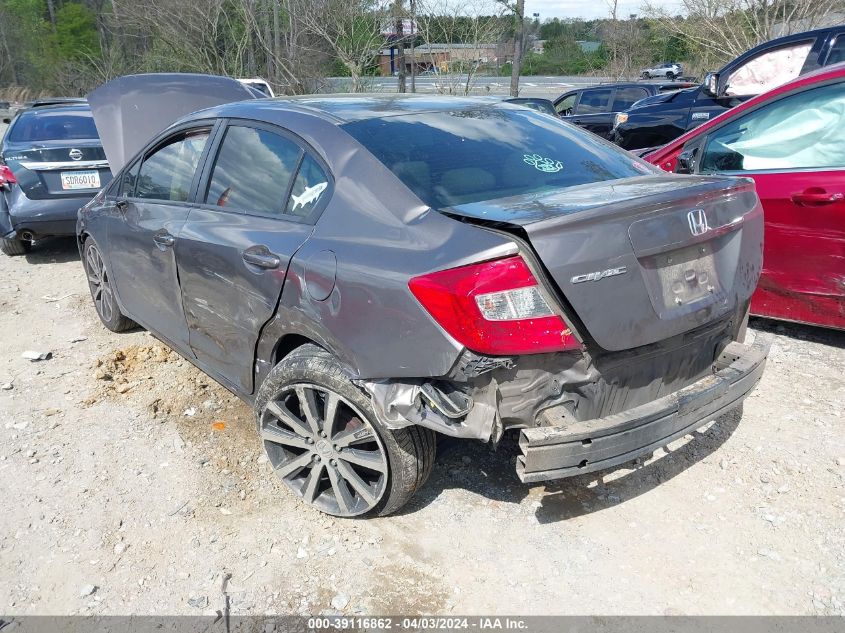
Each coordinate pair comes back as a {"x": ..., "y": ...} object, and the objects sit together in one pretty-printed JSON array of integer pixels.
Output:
[
  {"x": 6, "y": 176},
  {"x": 495, "y": 307}
]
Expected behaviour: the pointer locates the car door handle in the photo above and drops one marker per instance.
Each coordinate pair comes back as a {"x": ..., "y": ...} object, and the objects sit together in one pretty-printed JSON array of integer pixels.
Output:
[
  {"x": 261, "y": 257},
  {"x": 816, "y": 197},
  {"x": 164, "y": 240}
]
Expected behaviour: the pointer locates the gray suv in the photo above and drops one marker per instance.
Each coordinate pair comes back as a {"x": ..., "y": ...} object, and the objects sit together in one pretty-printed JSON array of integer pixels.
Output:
[
  {"x": 669, "y": 70},
  {"x": 370, "y": 271}
]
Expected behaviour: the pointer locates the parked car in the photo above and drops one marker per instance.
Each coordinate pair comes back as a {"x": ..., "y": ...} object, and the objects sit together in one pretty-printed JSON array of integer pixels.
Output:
[
  {"x": 657, "y": 120},
  {"x": 791, "y": 142},
  {"x": 260, "y": 85},
  {"x": 669, "y": 70},
  {"x": 594, "y": 108},
  {"x": 495, "y": 270},
  {"x": 51, "y": 163}
]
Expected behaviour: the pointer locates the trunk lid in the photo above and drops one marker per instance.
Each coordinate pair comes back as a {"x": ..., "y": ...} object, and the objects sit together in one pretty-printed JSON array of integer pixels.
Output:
[
  {"x": 642, "y": 259},
  {"x": 52, "y": 169}
]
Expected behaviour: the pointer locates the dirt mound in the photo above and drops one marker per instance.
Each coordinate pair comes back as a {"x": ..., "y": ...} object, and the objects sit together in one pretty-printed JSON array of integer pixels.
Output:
[{"x": 172, "y": 385}]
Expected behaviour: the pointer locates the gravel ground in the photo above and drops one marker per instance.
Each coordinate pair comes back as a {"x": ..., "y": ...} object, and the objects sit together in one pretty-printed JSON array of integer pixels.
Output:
[{"x": 133, "y": 484}]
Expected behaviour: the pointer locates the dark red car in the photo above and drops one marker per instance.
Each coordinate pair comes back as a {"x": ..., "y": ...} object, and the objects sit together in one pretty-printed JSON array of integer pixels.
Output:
[{"x": 791, "y": 142}]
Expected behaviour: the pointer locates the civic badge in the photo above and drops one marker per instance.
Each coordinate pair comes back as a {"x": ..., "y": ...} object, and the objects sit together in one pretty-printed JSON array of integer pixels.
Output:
[
  {"x": 75, "y": 154},
  {"x": 697, "y": 221}
]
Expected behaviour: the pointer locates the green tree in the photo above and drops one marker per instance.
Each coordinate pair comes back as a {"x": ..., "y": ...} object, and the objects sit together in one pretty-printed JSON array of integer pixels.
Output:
[{"x": 76, "y": 36}]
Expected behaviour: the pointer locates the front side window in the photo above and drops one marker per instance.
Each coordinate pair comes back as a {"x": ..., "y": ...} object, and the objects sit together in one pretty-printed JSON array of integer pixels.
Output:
[
  {"x": 836, "y": 54},
  {"x": 802, "y": 131},
  {"x": 253, "y": 171},
  {"x": 565, "y": 105},
  {"x": 125, "y": 187},
  {"x": 593, "y": 101},
  {"x": 451, "y": 158},
  {"x": 768, "y": 70},
  {"x": 308, "y": 188},
  {"x": 167, "y": 173}
]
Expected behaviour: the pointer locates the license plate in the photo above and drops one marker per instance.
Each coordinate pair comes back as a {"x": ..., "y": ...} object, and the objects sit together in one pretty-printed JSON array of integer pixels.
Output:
[
  {"x": 687, "y": 275},
  {"x": 80, "y": 180}
]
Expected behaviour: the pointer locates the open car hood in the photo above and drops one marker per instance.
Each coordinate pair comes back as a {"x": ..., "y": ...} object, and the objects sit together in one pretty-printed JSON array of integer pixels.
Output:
[{"x": 130, "y": 110}]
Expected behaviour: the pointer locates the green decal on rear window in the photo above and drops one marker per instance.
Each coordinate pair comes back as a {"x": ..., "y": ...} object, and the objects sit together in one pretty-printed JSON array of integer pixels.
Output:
[{"x": 543, "y": 164}]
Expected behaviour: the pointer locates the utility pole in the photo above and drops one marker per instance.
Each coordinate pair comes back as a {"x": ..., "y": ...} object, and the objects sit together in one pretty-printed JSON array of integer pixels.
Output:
[
  {"x": 517, "y": 47},
  {"x": 400, "y": 45},
  {"x": 413, "y": 54}
]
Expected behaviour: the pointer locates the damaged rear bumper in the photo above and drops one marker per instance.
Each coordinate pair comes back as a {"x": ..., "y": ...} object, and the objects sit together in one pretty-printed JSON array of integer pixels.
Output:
[{"x": 556, "y": 451}]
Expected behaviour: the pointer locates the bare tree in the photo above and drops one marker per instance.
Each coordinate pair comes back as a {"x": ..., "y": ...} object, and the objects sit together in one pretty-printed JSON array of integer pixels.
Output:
[
  {"x": 516, "y": 68},
  {"x": 188, "y": 35},
  {"x": 352, "y": 29},
  {"x": 281, "y": 36},
  {"x": 463, "y": 30},
  {"x": 6, "y": 59},
  {"x": 517, "y": 8},
  {"x": 724, "y": 29},
  {"x": 626, "y": 40}
]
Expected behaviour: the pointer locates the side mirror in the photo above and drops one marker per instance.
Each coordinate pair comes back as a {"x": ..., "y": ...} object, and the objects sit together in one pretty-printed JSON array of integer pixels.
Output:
[
  {"x": 711, "y": 85},
  {"x": 686, "y": 161}
]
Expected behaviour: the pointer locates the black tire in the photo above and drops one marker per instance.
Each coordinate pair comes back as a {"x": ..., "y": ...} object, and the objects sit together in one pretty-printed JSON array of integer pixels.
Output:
[
  {"x": 646, "y": 75},
  {"x": 670, "y": 76},
  {"x": 14, "y": 247},
  {"x": 410, "y": 451},
  {"x": 99, "y": 283}
]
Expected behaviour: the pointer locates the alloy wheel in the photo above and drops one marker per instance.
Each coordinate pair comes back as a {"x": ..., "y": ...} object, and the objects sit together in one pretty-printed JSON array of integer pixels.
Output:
[
  {"x": 98, "y": 281},
  {"x": 324, "y": 449}
]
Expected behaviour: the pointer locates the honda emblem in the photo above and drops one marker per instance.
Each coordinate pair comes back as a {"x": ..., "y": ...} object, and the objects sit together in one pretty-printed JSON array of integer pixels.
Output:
[{"x": 697, "y": 220}]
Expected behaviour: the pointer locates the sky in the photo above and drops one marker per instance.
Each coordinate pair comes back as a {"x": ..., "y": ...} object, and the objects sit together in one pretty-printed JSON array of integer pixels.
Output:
[{"x": 588, "y": 9}]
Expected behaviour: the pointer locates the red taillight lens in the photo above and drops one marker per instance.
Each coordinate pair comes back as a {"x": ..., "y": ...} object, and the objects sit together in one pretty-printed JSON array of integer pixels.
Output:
[
  {"x": 495, "y": 307},
  {"x": 6, "y": 175}
]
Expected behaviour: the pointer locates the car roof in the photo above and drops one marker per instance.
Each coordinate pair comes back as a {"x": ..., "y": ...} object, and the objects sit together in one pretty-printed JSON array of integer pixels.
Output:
[{"x": 347, "y": 108}]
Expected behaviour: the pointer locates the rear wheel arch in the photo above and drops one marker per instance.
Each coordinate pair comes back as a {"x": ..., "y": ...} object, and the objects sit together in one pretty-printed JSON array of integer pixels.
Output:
[
  {"x": 308, "y": 462},
  {"x": 80, "y": 240},
  {"x": 288, "y": 343}
]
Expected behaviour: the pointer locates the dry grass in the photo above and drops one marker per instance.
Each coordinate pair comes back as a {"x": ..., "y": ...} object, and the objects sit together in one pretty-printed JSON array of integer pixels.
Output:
[{"x": 20, "y": 94}]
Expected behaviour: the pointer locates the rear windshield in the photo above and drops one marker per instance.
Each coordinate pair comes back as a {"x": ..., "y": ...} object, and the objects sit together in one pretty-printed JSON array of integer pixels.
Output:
[
  {"x": 42, "y": 125},
  {"x": 459, "y": 157}
]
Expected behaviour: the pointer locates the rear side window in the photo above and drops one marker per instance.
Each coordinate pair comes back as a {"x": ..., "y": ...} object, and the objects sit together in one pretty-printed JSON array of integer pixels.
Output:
[
  {"x": 53, "y": 125},
  {"x": 626, "y": 97},
  {"x": 594, "y": 101},
  {"x": 253, "y": 171},
  {"x": 465, "y": 156},
  {"x": 308, "y": 188},
  {"x": 167, "y": 173}
]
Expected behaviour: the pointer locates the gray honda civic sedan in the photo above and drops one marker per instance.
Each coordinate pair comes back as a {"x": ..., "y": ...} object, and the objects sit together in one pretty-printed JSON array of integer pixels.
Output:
[{"x": 369, "y": 271}]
